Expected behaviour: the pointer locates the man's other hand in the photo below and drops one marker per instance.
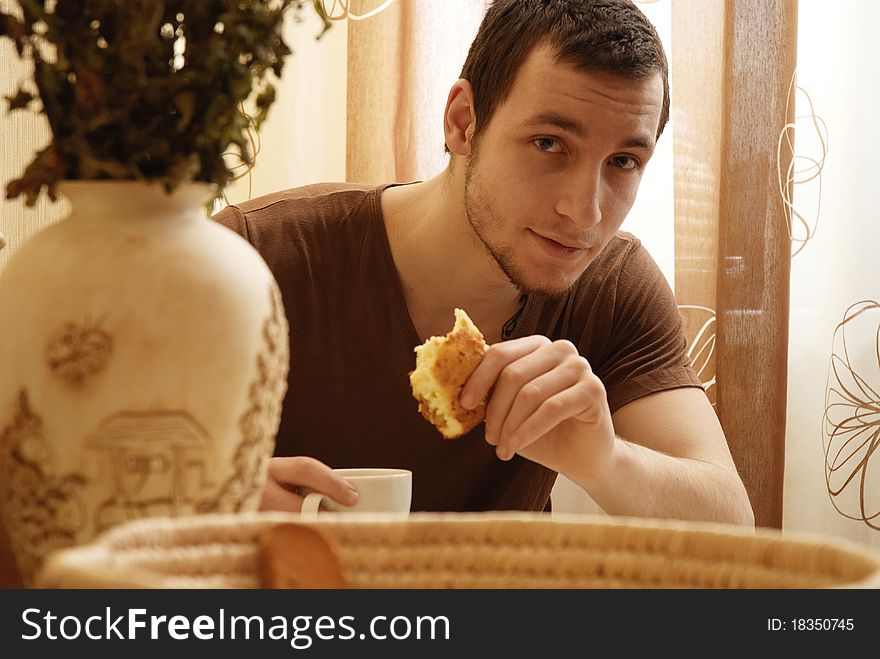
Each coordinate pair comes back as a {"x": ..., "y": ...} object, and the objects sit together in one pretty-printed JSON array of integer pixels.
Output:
[{"x": 288, "y": 474}]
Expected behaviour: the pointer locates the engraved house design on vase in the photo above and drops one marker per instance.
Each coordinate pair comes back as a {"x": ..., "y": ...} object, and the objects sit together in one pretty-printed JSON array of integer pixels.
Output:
[{"x": 157, "y": 460}]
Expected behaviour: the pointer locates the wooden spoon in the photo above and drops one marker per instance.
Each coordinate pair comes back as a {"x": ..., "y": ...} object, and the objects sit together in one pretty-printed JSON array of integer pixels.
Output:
[{"x": 297, "y": 556}]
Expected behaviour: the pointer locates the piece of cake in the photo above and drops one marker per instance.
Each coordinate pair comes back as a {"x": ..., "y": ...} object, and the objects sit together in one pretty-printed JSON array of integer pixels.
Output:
[{"x": 443, "y": 366}]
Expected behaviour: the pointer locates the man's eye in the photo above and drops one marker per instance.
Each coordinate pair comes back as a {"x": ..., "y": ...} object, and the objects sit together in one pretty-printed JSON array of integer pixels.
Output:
[
  {"x": 547, "y": 144},
  {"x": 625, "y": 162}
]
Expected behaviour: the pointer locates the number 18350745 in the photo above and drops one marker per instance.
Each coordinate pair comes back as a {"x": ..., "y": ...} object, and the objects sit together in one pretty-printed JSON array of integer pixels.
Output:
[{"x": 810, "y": 624}]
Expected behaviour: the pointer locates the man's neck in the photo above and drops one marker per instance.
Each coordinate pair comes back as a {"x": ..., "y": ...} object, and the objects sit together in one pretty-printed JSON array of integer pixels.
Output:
[{"x": 441, "y": 262}]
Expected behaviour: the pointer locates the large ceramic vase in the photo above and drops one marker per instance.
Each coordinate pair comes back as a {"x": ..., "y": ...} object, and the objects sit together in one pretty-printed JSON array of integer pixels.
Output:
[{"x": 143, "y": 361}]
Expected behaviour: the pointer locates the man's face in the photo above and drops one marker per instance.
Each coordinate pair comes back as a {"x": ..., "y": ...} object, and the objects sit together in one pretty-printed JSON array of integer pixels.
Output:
[{"x": 557, "y": 168}]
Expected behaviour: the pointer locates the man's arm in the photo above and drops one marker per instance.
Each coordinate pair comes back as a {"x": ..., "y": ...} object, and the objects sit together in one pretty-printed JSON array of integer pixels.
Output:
[
  {"x": 673, "y": 457},
  {"x": 545, "y": 403}
]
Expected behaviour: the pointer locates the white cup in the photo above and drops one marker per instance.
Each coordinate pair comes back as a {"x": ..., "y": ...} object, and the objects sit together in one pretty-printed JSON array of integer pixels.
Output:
[{"x": 379, "y": 491}]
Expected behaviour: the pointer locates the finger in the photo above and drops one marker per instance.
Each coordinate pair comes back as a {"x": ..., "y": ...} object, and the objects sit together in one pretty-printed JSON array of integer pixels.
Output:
[
  {"x": 584, "y": 399},
  {"x": 496, "y": 358},
  {"x": 532, "y": 395},
  {"x": 276, "y": 497},
  {"x": 565, "y": 404},
  {"x": 521, "y": 374},
  {"x": 300, "y": 471},
  {"x": 515, "y": 377}
]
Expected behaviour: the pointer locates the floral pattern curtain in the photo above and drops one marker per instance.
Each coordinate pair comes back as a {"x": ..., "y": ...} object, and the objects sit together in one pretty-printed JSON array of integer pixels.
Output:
[{"x": 832, "y": 461}]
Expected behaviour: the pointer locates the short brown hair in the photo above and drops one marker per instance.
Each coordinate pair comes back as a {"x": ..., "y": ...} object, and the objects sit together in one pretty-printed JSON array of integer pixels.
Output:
[{"x": 612, "y": 36}]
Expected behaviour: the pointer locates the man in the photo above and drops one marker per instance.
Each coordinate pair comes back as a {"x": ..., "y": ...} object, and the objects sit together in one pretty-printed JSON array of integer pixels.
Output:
[{"x": 550, "y": 127}]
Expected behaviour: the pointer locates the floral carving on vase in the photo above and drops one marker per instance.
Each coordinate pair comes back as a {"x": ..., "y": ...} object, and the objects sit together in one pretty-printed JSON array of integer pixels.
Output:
[
  {"x": 76, "y": 353},
  {"x": 259, "y": 423},
  {"x": 118, "y": 400},
  {"x": 42, "y": 510},
  {"x": 150, "y": 463}
]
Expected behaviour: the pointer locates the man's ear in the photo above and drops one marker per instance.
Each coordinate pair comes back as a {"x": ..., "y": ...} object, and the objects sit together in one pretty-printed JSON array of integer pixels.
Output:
[{"x": 459, "y": 119}]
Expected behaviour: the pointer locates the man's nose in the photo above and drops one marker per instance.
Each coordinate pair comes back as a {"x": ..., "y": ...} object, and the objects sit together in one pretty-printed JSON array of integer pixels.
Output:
[{"x": 580, "y": 199}]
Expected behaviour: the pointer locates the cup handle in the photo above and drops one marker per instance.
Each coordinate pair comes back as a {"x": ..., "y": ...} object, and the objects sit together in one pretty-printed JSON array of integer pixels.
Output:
[{"x": 311, "y": 504}]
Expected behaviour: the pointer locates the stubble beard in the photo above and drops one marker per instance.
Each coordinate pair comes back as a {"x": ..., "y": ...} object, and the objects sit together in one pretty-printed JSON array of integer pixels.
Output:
[{"x": 482, "y": 217}]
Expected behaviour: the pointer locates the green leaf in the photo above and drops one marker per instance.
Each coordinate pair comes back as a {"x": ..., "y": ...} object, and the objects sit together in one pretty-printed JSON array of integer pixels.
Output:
[
  {"x": 11, "y": 27},
  {"x": 21, "y": 100},
  {"x": 15, "y": 30},
  {"x": 146, "y": 89},
  {"x": 319, "y": 9},
  {"x": 264, "y": 100}
]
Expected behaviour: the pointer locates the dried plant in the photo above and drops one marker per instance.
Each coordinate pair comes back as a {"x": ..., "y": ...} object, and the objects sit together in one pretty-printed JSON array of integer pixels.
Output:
[{"x": 147, "y": 90}]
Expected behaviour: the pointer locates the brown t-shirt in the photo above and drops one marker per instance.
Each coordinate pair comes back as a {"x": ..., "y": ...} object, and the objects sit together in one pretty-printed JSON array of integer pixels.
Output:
[{"x": 351, "y": 343}]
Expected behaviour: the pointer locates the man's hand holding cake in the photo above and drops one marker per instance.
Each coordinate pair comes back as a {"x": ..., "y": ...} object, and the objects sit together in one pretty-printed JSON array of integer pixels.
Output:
[{"x": 539, "y": 398}]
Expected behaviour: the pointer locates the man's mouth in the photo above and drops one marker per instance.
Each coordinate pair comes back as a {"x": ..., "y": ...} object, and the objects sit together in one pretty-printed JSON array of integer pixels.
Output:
[{"x": 561, "y": 247}]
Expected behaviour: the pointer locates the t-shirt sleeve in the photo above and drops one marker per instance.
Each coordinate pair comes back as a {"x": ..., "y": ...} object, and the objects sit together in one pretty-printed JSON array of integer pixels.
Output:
[
  {"x": 647, "y": 349},
  {"x": 232, "y": 218}
]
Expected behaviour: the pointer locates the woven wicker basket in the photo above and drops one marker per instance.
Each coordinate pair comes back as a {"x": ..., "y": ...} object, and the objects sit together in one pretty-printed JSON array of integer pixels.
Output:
[{"x": 496, "y": 550}]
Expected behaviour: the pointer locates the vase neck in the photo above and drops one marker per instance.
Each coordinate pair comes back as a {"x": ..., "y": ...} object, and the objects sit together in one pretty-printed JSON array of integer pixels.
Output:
[{"x": 144, "y": 200}]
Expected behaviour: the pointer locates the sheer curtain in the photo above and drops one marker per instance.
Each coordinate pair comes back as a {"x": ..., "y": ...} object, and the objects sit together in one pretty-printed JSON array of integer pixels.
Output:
[
  {"x": 401, "y": 64},
  {"x": 303, "y": 139},
  {"x": 832, "y": 463},
  {"x": 732, "y": 64},
  {"x": 797, "y": 285}
]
